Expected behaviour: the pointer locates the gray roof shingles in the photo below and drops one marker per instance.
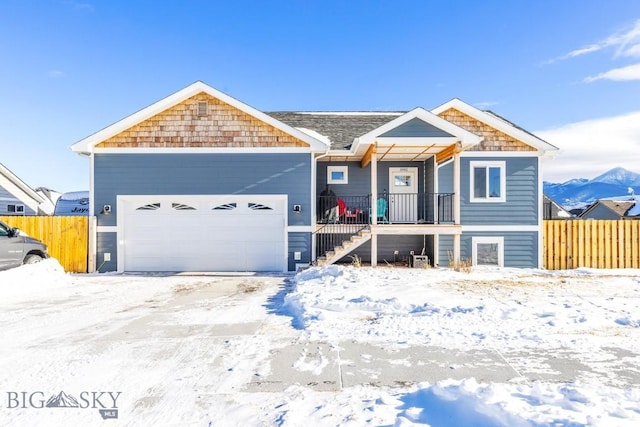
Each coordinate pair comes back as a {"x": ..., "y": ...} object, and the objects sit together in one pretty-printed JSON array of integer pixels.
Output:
[{"x": 340, "y": 128}]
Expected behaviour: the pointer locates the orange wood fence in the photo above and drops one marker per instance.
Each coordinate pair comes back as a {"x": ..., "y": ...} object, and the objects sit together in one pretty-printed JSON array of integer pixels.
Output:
[
  {"x": 591, "y": 243},
  {"x": 66, "y": 237}
]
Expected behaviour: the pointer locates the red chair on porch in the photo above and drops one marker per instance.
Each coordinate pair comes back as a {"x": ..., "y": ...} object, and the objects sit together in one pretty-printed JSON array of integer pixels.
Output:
[
  {"x": 342, "y": 208},
  {"x": 352, "y": 215}
]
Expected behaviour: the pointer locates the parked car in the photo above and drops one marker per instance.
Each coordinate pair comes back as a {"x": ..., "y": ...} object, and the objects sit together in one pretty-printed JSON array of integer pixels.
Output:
[
  {"x": 17, "y": 248},
  {"x": 73, "y": 203}
]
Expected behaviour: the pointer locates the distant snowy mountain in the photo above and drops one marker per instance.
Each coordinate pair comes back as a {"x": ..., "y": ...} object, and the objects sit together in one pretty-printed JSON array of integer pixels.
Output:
[
  {"x": 619, "y": 176},
  {"x": 581, "y": 192}
]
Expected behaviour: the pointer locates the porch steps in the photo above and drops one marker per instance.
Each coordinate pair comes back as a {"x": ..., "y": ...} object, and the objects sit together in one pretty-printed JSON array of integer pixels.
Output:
[{"x": 347, "y": 246}]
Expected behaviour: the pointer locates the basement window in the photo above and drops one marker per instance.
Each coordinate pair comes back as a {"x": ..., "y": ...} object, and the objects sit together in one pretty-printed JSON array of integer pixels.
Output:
[
  {"x": 488, "y": 251},
  {"x": 19, "y": 209},
  {"x": 203, "y": 108}
]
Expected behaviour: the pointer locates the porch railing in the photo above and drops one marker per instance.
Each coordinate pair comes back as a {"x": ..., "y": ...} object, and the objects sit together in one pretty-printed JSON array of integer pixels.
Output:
[{"x": 405, "y": 208}]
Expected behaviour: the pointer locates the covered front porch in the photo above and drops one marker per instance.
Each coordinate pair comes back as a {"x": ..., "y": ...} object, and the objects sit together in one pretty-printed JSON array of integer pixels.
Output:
[
  {"x": 398, "y": 226},
  {"x": 390, "y": 208},
  {"x": 400, "y": 179}
]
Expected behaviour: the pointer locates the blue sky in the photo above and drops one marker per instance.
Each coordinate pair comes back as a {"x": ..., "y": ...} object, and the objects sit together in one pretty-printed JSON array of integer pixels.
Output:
[{"x": 566, "y": 70}]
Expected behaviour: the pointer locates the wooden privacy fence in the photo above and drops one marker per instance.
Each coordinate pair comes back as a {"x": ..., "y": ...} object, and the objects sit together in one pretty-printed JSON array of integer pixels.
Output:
[
  {"x": 66, "y": 237},
  {"x": 591, "y": 243}
]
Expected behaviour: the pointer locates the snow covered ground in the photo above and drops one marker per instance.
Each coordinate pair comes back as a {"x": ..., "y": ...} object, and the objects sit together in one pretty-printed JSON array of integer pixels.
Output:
[{"x": 554, "y": 348}]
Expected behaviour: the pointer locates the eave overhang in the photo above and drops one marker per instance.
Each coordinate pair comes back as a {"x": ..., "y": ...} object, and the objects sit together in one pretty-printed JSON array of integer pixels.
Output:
[
  {"x": 87, "y": 145},
  {"x": 406, "y": 148}
]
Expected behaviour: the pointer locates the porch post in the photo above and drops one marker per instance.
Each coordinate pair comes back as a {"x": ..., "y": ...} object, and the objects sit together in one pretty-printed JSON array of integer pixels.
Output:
[
  {"x": 456, "y": 205},
  {"x": 374, "y": 207}
]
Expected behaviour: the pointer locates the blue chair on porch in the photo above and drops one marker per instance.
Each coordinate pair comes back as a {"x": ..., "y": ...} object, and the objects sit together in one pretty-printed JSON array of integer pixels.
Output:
[{"x": 381, "y": 207}]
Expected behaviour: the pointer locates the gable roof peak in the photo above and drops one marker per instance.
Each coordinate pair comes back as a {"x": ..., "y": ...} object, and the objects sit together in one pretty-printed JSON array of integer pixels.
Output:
[
  {"x": 467, "y": 138},
  {"x": 497, "y": 122},
  {"x": 86, "y": 145}
]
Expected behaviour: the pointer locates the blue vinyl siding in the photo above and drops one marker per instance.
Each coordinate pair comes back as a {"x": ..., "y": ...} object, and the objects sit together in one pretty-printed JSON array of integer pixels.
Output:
[
  {"x": 416, "y": 128},
  {"x": 444, "y": 250},
  {"x": 360, "y": 178},
  {"x": 299, "y": 242},
  {"x": 429, "y": 179},
  {"x": 520, "y": 247},
  {"x": 130, "y": 174},
  {"x": 521, "y": 206},
  {"x": 445, "y": 178},
  {"x": 7, "y": 198},
  {"x": 107, "y": 242},
  {"x": 387, "y": 244}
]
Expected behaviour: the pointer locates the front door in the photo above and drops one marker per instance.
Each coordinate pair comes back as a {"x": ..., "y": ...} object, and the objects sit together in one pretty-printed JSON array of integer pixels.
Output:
[{"x": 403, "y": 195}]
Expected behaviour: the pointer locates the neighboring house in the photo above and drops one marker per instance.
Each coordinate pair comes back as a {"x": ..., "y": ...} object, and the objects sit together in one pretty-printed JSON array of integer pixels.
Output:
[
  {"x": 613, "y": 209},
  {"x": 16, "y": 197},
  {"x": 50, "y": 197},
  {"x": 552, "y": 210},
  {"x": 200, "y": 181}
]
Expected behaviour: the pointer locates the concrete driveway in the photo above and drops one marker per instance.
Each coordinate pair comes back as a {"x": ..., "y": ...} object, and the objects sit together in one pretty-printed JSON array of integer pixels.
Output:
[{"x": 169, "y": 344}]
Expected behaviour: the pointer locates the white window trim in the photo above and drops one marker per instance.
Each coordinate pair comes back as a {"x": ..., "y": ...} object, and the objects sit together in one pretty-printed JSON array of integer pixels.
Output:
[
  {"x": 343, "y": 169},
  {"x": 18, "y": 208},
  {"x": 499, "y": 240},
  {"x": 503, "y": 181}
]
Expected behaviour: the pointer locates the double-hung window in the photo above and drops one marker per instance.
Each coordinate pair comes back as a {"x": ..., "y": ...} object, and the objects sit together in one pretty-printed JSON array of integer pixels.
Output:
[{"x": 488, "y": 181}]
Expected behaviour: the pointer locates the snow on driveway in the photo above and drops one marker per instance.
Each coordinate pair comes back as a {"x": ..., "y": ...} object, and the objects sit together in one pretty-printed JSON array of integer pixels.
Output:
[{"x": 196, "y": 349}]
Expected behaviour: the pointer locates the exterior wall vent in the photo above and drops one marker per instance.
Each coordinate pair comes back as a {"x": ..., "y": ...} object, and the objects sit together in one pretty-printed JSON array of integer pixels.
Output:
[{"x": 203, "y": 108}]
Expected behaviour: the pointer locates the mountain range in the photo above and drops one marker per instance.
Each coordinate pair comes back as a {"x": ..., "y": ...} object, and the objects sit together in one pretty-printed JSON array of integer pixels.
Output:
[{"x": 581, "y": 192}]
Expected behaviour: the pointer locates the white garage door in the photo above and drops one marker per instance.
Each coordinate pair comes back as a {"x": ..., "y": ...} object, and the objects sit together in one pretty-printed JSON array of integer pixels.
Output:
[{"x": 203, "y": 233}]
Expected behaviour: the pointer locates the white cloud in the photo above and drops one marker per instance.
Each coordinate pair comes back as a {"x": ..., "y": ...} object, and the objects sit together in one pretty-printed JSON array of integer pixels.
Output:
[
  {"x": 627, "y": 44},
  {"x": 578, "y": 52},
  {"x": 591, "y": 147},
  {"x": 486, "y": 104},
  {"x": 631, "y": 72}
]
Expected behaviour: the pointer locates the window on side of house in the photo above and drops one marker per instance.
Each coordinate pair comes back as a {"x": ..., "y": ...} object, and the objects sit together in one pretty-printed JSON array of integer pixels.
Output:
[
  {"x": 337, "y": 174},
  {"x": 488, "y": 251},
  {"x": 488, "y": 181},
  {"x": 15, "y": 209}
]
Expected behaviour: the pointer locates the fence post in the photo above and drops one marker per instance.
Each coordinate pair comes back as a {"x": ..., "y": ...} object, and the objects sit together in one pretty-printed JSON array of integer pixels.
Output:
[{"x": 91, "y": 245}]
